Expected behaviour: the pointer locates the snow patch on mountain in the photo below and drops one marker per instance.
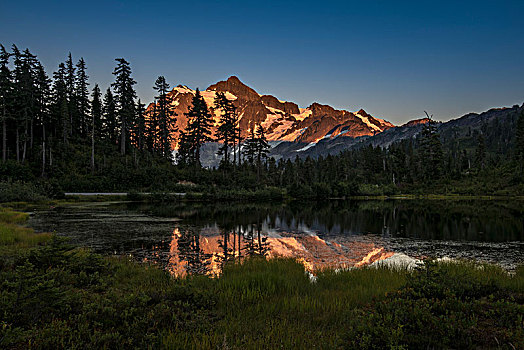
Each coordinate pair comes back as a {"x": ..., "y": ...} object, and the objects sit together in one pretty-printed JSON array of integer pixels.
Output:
[
  {"x": 294, "y": 135},
  {"x": 306, "y": 147},
  {"x": 304, "y": 113},
  {"x": 275, "y": 110},
  {"x": 276, "y": 126},
  {"x": 368, "y": 123}
]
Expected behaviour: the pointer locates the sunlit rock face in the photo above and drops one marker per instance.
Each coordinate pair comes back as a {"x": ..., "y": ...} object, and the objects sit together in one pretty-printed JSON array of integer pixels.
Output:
[
  {"x": 192, "y": 252},
  {"x": 283, "y": 120}
]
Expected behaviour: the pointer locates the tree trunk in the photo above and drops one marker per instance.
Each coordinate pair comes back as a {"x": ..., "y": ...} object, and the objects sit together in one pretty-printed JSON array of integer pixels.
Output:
[
  {"x": 43, "y": 150},
  {"x": 4, "y": 138},
  {"x": 71, "y": 124},
  {"x": 93, "y": 146},
  {"x": 25, "y": 143},
  {"x": 197, "y": 157},
  {"x": 123, "y": 138},
  {"x": 239, "y": 145},
  {"x": 258, "y": 167},
  {"x": 31, "y": 143},
  {"x": 17, "y": 145},
  {"x": 234, "y": 153}
]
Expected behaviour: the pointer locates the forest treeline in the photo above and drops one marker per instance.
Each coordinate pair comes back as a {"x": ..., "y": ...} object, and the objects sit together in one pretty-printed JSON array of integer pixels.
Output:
[{"x": 61, "y": 133}]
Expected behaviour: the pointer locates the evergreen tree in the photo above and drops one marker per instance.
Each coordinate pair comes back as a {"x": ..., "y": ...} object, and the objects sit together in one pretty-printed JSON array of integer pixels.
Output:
[
  {"x": 198, "y": 131},
  {"x": 430, "y": 151},
  {"x": 24, "y": 96},
  {"x": 42, "y": 111},
  {"x": 185, "y": 156},
  {"x": 70, "y": 78},
  {"x": 125, "y": 101},
  {"x": 480, "y": 152},
  {"x": 96, "y": 122},
  {"x": 256, "y": 147},
  {"x": 151, "y": 129},
  {"x": 6, "y": 91},
  {"x": 166, "y": 117},
  {"x": 250, "y": 146},
  {"x": 519, "y": 140},
  {"x": 140, "y": 127},
  {"x": 262, "y": 144},
  {"x": 60, "y": 110},
  {"x": 82, "y": 98},
  {"x": 110, "y": 126},
  {"x": 227, "y": 129}
]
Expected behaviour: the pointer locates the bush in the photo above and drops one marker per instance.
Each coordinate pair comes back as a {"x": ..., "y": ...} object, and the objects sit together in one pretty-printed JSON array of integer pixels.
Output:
[
  {"x": 20, "y": 192},
  {"x": 462, "y": 305}
]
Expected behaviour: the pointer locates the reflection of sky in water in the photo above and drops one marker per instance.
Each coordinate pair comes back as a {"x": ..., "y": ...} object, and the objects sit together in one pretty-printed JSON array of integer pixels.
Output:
[{"x": 321, "y": 237}]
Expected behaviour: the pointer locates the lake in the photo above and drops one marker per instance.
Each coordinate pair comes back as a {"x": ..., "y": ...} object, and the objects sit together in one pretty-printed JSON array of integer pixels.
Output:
[{"x": 199, "y": 237}]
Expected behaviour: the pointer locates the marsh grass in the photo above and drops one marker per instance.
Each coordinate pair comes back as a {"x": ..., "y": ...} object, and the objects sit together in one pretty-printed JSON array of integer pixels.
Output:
[
  {"x": 14, "y": 236},
  {"x": 8, "y": 216},
  {"x": 273, "y": 304}
]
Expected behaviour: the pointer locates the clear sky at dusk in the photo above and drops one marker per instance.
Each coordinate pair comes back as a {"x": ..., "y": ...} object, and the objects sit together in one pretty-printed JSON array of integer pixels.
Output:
[{"x": 395, "y": 59}]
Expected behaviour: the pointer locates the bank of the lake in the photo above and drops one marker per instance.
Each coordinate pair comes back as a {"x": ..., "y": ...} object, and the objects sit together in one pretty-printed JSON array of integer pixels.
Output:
[{"x": 55, "y": 295}]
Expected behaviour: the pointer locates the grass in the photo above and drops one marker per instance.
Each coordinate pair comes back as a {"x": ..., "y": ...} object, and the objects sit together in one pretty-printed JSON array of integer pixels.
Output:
[
  {"x": 15, "y": 238},
  {"x": 54, "y": 295}
]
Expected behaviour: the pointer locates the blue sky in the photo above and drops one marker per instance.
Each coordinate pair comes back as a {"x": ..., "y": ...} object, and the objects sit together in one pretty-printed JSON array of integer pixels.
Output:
[{"x": 395, "y": 59}]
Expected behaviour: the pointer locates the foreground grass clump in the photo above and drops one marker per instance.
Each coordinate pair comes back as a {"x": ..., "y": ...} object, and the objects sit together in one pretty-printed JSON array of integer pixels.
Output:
[
  {"x": 15, "y": 239},
  {"x": 54, "y": 295},
  {"x": 58, "y": 296},
  {"x": 446, "y": 305}
]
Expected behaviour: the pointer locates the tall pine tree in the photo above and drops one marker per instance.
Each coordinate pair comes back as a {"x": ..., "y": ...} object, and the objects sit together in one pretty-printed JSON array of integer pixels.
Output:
[
  {"x": 96, "y": 122},
  {"x": 519, "y": 142},
  {"x": 227, "y": 127},
  {"x": 6, "y": 90},
  {"x": 166, "y": 117},
  {"x": 60, "y": 112},
  {"x": 430, "y": 151},
  {"x": 70, "y": 78},
  {"x": 140, "y": 126},
  {"x": 198, "y": 131},
  {"x": 42, "y": 111},
  {"x": 125, "y": 100},
  {"x": 109, "y": 129},
  {"x": 82, "y": 98}
]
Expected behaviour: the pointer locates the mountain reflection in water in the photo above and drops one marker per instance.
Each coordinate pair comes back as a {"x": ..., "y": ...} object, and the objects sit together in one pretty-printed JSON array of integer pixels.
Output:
[
  {"x": 201, "y": 237},
  {"x": 206, "y": 254}
]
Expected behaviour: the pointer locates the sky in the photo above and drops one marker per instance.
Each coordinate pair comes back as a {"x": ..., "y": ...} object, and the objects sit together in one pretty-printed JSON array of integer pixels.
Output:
[{"x": 395, "y": 59}]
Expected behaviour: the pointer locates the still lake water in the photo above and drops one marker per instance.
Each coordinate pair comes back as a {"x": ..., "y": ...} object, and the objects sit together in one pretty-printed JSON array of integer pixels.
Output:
[{"x": 333, "y": 234}]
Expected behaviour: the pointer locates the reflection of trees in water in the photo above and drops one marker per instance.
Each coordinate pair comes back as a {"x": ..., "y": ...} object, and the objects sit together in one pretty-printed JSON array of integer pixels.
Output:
[
  {"x": 227, "y": 246},
  {"x": 198, "y": 255},
  {"x": 189, "y": 250},
  {"x": 241, "y": 224},
  {"x": 256, "y": 244},
  {"x": 241, "y": 241}
]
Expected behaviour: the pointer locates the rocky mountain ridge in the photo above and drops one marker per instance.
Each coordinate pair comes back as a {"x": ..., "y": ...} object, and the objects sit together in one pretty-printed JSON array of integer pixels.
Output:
[{"x": 282, "y": 120}]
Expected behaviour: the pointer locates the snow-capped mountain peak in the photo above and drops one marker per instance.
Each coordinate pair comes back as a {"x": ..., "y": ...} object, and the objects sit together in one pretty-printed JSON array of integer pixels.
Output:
[{"x": 283, "y": 120}]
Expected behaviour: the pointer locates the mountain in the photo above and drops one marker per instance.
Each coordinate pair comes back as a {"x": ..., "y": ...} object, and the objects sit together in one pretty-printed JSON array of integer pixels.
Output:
[
  {"x": 320, "y": 130},
  {"x": 282, "y": 120},
  {"x": 497, "y": 125}
]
